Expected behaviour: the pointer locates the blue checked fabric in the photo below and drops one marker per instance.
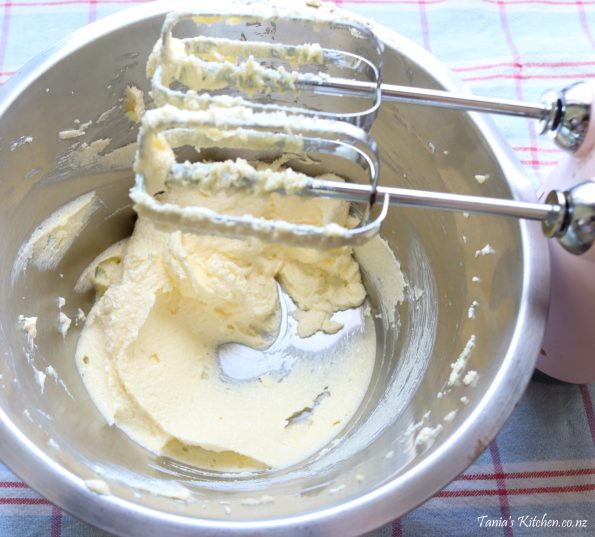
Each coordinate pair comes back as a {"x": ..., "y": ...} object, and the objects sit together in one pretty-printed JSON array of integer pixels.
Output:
[{"x": 541, "y": 467}]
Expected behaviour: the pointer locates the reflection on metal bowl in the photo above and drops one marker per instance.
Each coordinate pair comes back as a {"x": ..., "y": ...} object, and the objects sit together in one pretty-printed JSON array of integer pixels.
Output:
[{"x": 412, "y": 434}]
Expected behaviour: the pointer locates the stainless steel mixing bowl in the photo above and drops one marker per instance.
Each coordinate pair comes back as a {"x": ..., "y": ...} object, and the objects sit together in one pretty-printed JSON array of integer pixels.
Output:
[{"x": 381, "y": 468}]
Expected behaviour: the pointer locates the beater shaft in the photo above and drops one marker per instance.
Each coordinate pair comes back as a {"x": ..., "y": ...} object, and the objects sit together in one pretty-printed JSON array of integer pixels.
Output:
[
  {"x": 566, "y": 114},
  {"x": 439, "y": 98},
  {"x": 437, "y": 200},
  {"x": 456, "y": 101}
]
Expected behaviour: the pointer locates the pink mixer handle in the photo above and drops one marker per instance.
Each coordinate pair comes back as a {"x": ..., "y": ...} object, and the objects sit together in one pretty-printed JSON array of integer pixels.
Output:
[
  {"x": 568, "y": 350},
  {"x": 588, "y": 144}
]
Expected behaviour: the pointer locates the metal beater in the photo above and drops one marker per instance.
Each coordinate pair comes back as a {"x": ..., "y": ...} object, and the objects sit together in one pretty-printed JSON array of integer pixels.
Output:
[{"x": 228, "y": 92}]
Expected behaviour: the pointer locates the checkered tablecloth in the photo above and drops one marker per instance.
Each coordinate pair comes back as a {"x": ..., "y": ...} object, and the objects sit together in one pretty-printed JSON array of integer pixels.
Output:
[{"x": 540, "y": 470}]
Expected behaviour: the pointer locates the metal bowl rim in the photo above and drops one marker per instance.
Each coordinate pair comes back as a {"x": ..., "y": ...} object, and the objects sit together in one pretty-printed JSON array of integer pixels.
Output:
[{"x": 374, "y": 508}]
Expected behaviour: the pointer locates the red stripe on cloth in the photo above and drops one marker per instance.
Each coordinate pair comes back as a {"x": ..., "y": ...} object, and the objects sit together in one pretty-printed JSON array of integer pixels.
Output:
[
  {"x": 56, "y": 522},
  {"x": 4, "y": 35},
  {"x": 397, "y": 530},
  {"x": 509, "y": 40},
  {"x": 518, "y": 86},
  {"x": 24, "y": 501},
  {"x": 589, "y": 411},
  {"x": 69, "y": 2},
  {"x": 425, "y": 28},
  {"x": 521, "y": 76},
  {"x": 584, "y": 22},
  {"x": 13, "y": 485},
  {"x": 515, "y": 492},
  {"x": 541, "y": 149},
  {"x": 545, "y": 2},
  {"x": 502, "y": 493},
  {"x": 92, "y": 11},
  {"x": 536, "y": 163},
  {"x": 527, "y": 475},
  {"x": 481, "y": 67},
  {"x": 511, "y": 45},
  {"x": 416, "y": 2}
]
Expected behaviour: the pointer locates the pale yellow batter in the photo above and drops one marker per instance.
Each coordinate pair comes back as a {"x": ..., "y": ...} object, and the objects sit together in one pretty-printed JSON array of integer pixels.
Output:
[{"x": 167, "y": 300}]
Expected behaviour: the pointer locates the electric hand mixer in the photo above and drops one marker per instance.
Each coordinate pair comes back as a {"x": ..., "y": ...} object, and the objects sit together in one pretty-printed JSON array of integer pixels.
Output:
[{"x": 284, "y": 98}]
